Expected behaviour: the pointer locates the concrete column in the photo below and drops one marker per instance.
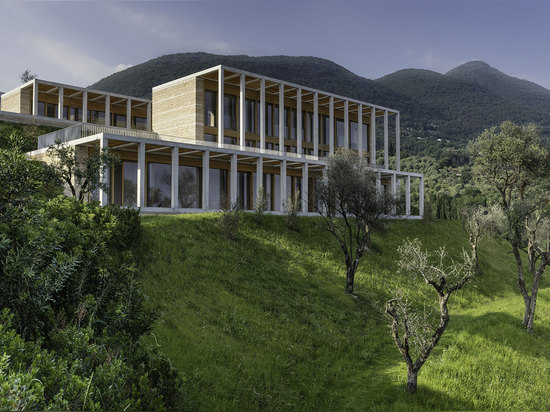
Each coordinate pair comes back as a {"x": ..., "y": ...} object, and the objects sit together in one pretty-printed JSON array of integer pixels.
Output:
[
  {"x": 408, "y": 196},
  {"x": 60, "y": 104},
  {"x": 262, "y": 114},
  {"x": 316, "y": 124},
  {"x": 233, "y": 179},
  {"x": 85, "y": 106},
  {"x": 104, "y": 177},
  {"x": 372, "y": 148},
  {"x": 141, "y": 172},
  {"x": 129, "y": 114},
  {"x": 282, "y": 200},
  {"x": 220, "y": 107},
  {"x": 305, "y": 180},
  {"x": 386, "y": 149},
  {"x": 35, "y": 98},
  {"x": 346, "y": 125},
  {"x": 397, "y": 143},
  {"x": 259, "y": 174},
  {"x": 281, "y": 118},
  {"x": 175, "y": 178},
  {"x": 394, "y": 190},
  {"x": 360, "y": 130},
  {"x": 242, "y": 114},
  {"x": 107, "y": 110},
  {"x": 421, "y": 197},
  {"x": 299, "y": 136},
  {"x": 149, "y": 118},
  {"x": 205, "y": 179},
  {"x": 331, "y": 125}
]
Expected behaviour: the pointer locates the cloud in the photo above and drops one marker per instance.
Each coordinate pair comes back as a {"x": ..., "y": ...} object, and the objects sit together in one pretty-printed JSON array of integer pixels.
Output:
[
  {"x": 120, "y": 67},
  {"x": 431, "y": 60}
]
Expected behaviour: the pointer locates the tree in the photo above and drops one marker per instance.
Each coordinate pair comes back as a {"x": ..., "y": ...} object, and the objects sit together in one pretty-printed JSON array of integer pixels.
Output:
[
  {"x": 351, "y": 206},
  {"x": 27, "y": 76},
  {"x": 82, "y": 176},
  {"x": 261, "y": 205},
  {"x": 480, "y": 221},
  {"x": 412, "y": 331},
  {"x": 510, "y": 163}
]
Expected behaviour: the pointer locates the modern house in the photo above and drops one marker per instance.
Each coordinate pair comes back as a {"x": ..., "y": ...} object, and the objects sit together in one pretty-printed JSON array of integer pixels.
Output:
[{"x": 217, "y": 134}]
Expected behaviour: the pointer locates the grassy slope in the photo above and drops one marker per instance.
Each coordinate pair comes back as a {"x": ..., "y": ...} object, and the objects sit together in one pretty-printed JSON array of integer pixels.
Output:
[{"x": 263, "y": 323}]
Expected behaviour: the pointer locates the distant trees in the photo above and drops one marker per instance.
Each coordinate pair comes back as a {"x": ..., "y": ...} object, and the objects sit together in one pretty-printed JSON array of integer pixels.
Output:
[
  {"x": 27, "y": 76},
  {"x": 413, "y": 331},
  {"x": 351, "y": 207},
  {"x": 514, "y": 170}
]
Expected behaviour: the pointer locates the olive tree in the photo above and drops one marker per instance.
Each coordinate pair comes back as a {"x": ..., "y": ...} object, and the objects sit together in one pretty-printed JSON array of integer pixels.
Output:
[
  {"x": 510, "y": 163},
  {"x": 351, "y": 205},
  {"x": 414, "y": 332}
]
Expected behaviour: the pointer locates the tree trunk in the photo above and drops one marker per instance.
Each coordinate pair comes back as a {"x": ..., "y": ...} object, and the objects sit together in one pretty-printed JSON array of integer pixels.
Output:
[
  {"x": 350, "y": 276},
  {"x": 412, "y": 377}
]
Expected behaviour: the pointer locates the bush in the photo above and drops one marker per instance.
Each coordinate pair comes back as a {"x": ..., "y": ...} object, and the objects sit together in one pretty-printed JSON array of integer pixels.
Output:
[{"x": 229, "y": 220}]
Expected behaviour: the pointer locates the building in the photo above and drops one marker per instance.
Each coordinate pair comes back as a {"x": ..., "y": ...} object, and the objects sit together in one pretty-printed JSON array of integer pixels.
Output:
[{"x": 216, "y": 134}]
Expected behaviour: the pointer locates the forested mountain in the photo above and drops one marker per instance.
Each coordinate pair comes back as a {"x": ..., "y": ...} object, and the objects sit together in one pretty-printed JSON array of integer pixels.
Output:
[{"x": 452, "y": 107}]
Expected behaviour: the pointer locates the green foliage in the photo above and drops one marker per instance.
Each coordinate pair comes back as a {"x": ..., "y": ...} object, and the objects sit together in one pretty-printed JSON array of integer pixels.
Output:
[
  {"x": 29, "y": 132},
  {"x": 229, "y": 219},
  {"x": 293, "y": 208},
  {"x": 260, "y": 206}
]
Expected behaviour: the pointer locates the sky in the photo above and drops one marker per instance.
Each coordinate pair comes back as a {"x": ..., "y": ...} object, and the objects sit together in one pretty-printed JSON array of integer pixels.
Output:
[{"x": 80, "y": 42}]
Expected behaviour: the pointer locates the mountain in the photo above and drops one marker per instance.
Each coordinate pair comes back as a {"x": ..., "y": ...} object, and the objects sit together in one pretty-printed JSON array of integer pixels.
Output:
[{"x": 452, "y": 107}]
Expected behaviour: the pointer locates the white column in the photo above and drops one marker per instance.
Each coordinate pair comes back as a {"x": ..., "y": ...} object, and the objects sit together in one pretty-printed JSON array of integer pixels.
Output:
[
  {"x": 346, "y": 125},
  {"x": 394, "y": 190},
  {"x": 149, "y": 118},
  {"x": 129, "y": 114},
  {"x": 141, "y": 176},
  {"x": 259, "y": 175},
  {"x": 360, "y": 130},
  {"x": 175, "y": 178},
  {"x": 299, "y": 120},
  {"x": 220, "y": 107},
  {"x": 35, "y": 98},
  {"x": 421, "y": 197},
  {"x": 242, "y": 99},
  {"x": 305, "y": 180},
  {"x": 85, "y": 106},
  {"x": 386, "y": 152},
  {"x": 205, "y": 179},
  {"x": 397, "y": 143},
  {"x": 262, "y": 114},
  {"x": 372, "y": 148},
  {"x": 107, "y": 110},
  {"x": 60, "y": 104},
  {"x": 233, "y": 179},
  {"x": 331, "y": 125},
  {"x": 408, "y": 196},
  {"x": 103, "y": 195},
  {"x": 282, "y": 197},
  {"x": 281, "y": 118},
  {"x": 316, "y": 124}
]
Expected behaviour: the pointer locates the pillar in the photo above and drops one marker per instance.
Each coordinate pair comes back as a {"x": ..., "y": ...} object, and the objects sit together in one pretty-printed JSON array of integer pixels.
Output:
[
  {"x": 316, "y": 124},
  {"x": 60, "y": 104},
  {"x": 85, "y": 106},
  {"x": 281, "y": 118},
  {"x": 107, "y": 110},
  {"x": 140, "y": 198},
  {"x": 129, "y": 114},
  {"x": 299, "y": 136},
  {"x": 386, "y": 153},
  {"x": 175, "y": 178},
  {"x": 331, "y": 125},
  {"x": 149, "y": 117},
  {"x": 233, "y": 179},
  {"x": 421, "y": 197},
  {"x": 408, "y": 195},
  {"x": 373, "y": 136},
  {"x": 397, "y": 143},
  {"x": 305, "y": 186},
  {"x": 205, "y": 179},
  {"x": 282, "y": 197},
  {"x": 104, "y": 177},
  {"x": 360, "y": 130},
  {"x": 262, "y": 114},
  {"x": 346, "y": 125},
  {"x": 394, "y": 190},
  {"x": 220, "y": 106},
  {"x": 242, "y": 120},
  {"x": 34, "y": 98}
]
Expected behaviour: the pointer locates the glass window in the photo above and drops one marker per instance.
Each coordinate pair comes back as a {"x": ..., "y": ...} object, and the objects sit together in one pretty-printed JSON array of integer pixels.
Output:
[
  {"x": 285, "y": 117},
  {"x": 293, "y": 122},
  {"x": 243, "y": 190},
  {"x": 75, "y": 114},
  {"x": 250, "y": 117},
  {"x": 339, "y": 133},
  {"x": 325, "y": 129},
  {"x": 210, "y": 137},
  {"x": 189, "y": 186},
  {"x": 276, "y": 121},
  {"x": 268, "y": 189},
  {"x": 230, "y": 112},
  {"x": 138, "y": 123},
  {"x": 51, "y": 110},
  {"x": 309, "y": 127},
  {"x": 65, "y": 112},
  {"x": 97, "y": 117},
  {"x": 210, "y": 105},
  {"x": 365, "y": 131},
  {"x": 118, "y": 120},
  {"x": 159, "y": 180},
  {"x": 218, "y": 188},
  {"x": 269, "y": 119},
  {"x": 353, "y": 135},
  {"x": 41, "y": 109},
  {"x": 130, "y": 183},
  {"x": 229, "y": 140}
]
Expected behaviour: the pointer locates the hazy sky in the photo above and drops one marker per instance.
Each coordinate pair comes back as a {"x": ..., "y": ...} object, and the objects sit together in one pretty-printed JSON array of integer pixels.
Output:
[{"x": 80, "y": 42}]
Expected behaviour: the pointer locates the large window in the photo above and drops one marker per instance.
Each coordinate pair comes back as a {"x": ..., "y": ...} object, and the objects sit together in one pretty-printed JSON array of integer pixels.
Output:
[
  {"x": 340, "y": 133},
  {"x": 353, "y": 135},
  {"x": 189, "y": 185},
  {"x": 210, "y": 105},
  {"x": 98, "y": 117},
  {"x": 159, "y": 178},
  {"x": 276, "y": 121},
  {"x": 75, "y": 113},
  {"x": 118, "y": 120},
  {"x": 365, "y": 137},
  {"x": 250, "y": 107},
  {"x": 230, "y": 112},
  {"x": 324, "y": 129},
  {"x": 139, "y": 123},
  {"x": 51, "y": 110},
  {"x": 218, "y": 188},
  {"x": 293, "y": 122},
  {"x": 41, "y": 109},
  {"x": 269, "y": 119},
  {"x": 243, "y": 190}
]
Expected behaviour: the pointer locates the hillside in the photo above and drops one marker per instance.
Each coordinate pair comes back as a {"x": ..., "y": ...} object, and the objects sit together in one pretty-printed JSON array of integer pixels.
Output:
[{"x": 263, "y": 323}]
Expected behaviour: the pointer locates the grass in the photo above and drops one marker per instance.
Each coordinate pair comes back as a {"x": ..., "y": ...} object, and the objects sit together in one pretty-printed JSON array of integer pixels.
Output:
[{"x": 263, "y": 323}]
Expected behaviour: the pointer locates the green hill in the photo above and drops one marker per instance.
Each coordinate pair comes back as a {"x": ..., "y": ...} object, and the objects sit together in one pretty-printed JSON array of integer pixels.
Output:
[{"x": 263, "y": 323}]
